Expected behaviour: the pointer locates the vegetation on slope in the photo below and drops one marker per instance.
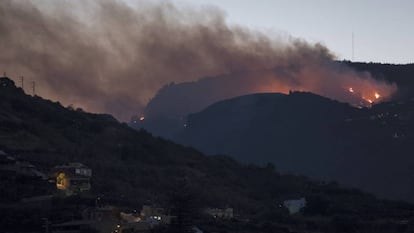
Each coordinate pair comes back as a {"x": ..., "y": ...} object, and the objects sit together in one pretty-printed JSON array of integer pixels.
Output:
[{"x": 136, "y": 167}]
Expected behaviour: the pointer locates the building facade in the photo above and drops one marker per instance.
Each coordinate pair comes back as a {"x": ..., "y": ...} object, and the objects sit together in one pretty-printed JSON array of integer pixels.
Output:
[{"x": 72, "y": 178}]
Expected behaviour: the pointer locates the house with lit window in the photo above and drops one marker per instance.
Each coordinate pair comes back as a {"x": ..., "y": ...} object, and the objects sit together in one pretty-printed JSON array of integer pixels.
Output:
[{"x": 72, "y": 178}]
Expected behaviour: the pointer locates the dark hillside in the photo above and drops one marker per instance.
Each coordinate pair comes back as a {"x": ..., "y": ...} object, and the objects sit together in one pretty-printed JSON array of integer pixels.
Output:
[
  {"x": 311, "y": 135},
  {"x": 127, "y": 162},
  {"x": 166, "y": 112},
  {"x": 134, "y": 167}
]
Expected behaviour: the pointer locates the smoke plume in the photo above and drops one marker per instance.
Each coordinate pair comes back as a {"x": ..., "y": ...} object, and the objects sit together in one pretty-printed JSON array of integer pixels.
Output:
[{"x": 108, "y": 56}]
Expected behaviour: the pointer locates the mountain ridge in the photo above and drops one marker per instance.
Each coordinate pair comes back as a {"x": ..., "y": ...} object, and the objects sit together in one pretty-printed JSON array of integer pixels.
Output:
[
  {"x": 166, "y": 112},
  {"x": 312, "y": 135}
]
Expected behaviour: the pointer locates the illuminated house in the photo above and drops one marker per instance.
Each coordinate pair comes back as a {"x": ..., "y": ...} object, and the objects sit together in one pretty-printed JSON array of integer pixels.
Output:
[{"x": 72, "y": 178}]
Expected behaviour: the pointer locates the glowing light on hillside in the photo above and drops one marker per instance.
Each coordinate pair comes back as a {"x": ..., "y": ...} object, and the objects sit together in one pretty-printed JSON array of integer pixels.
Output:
[
  {"x": 62, "y": 182},
  {"x": 368, "y": 97},
  {"x": 142, "y": 118},
  {"x": 373, "y": 98}
]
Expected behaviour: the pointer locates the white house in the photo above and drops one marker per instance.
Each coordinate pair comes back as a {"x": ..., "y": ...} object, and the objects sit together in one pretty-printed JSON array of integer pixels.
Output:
[{"x": 294, "y": 206}]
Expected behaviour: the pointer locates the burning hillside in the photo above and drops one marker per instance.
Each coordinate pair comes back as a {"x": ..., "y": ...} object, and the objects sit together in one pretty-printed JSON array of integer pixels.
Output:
[{"x": 330, "y": 79}]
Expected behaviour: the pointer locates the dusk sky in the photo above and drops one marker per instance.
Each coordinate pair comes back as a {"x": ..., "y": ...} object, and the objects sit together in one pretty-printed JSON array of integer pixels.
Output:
[
  {"x": 382, "y": 28},
  {"x": 114, "y": 58}
]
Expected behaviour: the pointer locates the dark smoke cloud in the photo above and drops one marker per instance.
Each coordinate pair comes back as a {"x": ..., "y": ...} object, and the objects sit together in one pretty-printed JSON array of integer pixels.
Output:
[{"x": 106, "y": 56}]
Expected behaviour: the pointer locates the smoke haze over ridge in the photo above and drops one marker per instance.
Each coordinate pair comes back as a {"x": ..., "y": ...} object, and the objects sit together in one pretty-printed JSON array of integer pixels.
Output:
[{"x": 107, "y": 56}]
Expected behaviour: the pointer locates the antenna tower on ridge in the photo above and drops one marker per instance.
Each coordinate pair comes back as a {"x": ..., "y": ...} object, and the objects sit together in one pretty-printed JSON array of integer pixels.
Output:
[
  {"x": 353, "y": 46},
  {"x": 22, "y": 82}
]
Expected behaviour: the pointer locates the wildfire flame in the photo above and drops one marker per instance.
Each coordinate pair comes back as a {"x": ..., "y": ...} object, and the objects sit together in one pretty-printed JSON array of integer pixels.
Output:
[
  {"x": 142, "y": 118},
  {"x": 357, "y": 89},
  {"x": 370, "y": 99}
]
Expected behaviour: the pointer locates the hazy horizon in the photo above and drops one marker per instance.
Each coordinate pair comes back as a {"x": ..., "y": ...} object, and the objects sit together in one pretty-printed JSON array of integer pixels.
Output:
[{"x": 381, "y": 28}]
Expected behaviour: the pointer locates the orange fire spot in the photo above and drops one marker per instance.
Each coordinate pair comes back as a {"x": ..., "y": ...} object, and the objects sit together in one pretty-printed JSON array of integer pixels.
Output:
[
  {"x": 351, "y": 90},
  {"x": 142, "y": 118},
  {"x": 377, "y": 96}
]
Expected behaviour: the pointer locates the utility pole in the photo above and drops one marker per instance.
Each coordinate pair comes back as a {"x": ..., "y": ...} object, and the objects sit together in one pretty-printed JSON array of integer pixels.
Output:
[
  {"x": 34, "y": 88},
  {"x": 4, "y": 74}
]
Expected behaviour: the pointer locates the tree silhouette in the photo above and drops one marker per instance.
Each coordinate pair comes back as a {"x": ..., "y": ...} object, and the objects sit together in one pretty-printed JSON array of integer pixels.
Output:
[{"x": 183, "y": 207}]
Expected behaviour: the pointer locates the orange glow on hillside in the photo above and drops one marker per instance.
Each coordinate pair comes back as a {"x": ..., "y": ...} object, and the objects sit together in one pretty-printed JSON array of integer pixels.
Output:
[
  {"x": 371, "y": 99},
  {"x": 353, "y": 88}
]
